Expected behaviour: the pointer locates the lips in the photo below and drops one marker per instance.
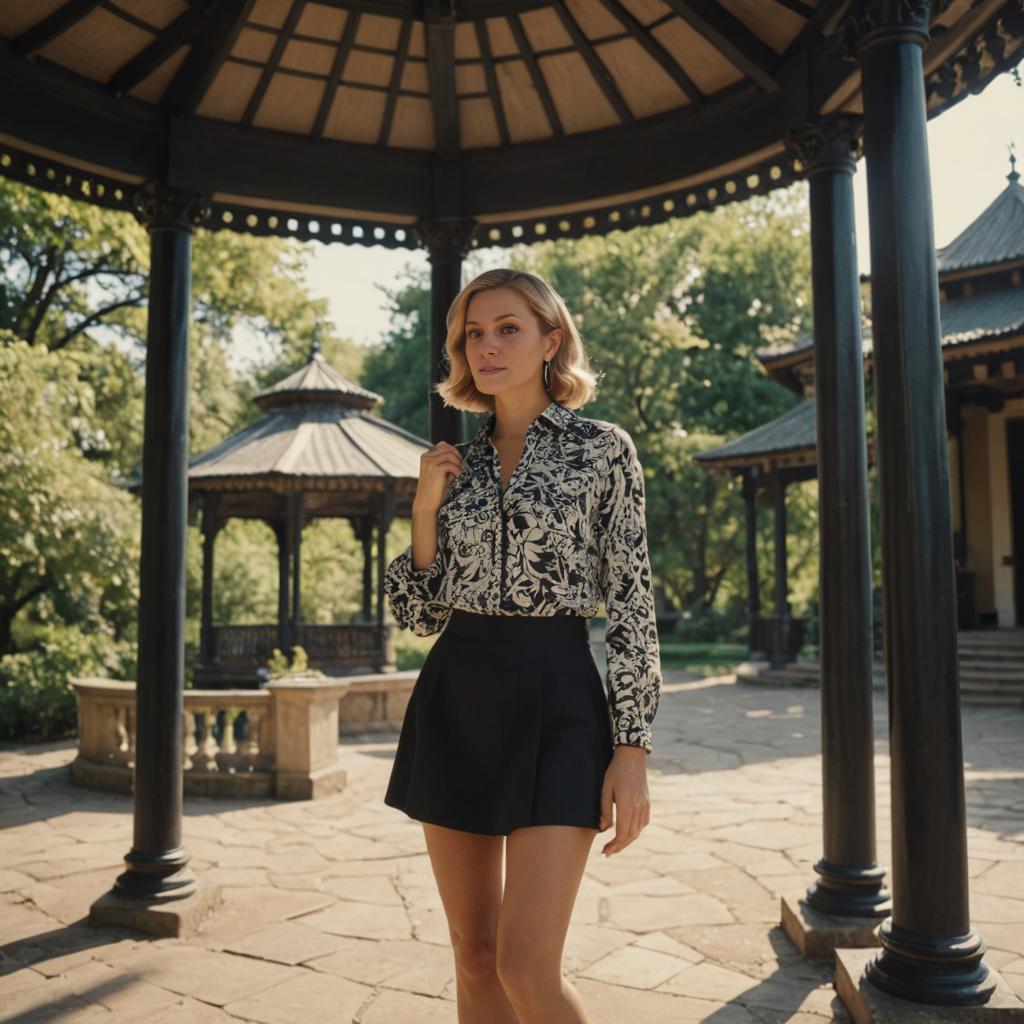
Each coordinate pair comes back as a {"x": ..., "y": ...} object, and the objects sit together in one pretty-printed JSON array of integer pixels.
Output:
[{"x": 491, "y": 369}]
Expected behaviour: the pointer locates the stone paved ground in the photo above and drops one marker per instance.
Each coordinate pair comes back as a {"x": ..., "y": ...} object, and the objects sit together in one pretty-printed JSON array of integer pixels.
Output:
[{"x": 331, "y": 914}]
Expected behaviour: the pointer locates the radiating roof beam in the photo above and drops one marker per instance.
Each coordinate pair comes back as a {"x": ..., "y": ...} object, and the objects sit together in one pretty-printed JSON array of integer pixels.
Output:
[
  {"x": 35, "y": 38},
  {"x": 731, "y": 38}
]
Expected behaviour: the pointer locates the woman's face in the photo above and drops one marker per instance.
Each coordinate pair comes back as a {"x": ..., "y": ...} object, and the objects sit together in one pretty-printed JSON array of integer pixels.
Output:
[{"x": 503, "y": 332}]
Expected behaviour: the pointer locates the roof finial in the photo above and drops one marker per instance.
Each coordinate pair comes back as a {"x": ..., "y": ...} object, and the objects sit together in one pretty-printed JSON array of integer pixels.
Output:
[
  {"x": 1013, "y": 177},
  {"x": 314, "y": 349}
]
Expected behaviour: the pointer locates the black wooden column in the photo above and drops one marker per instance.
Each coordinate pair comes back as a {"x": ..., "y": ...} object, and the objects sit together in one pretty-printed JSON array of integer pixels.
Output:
[
  {"x": 207, "y": 651},
  {"x": 930, "y": 953},
  {"x": 387, "y": 515},
  {"x": 447, "y": 240},
  {"x": 850, "y": 881},
  {"x": 366, "y": 536},
  {"x": 753, "y": 584},
  {"x": 282, "y": 531},
  {"x": 298, "y": 500},
  {"x": 156, "y": 864},
  {"x": 781, "y": 634}
]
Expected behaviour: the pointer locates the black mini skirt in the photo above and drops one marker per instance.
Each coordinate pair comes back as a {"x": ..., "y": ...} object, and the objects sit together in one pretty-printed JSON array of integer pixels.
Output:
[{"x": 508, "y": 725}]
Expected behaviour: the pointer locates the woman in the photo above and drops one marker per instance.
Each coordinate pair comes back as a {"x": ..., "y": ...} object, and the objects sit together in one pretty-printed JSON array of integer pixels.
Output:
[{"x": 517, "y": 537}]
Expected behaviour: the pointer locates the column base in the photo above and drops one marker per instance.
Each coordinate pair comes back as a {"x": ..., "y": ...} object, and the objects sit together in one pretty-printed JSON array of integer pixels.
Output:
[
  {"x": 162, "y": 918},
  {"x": 816, "y": 935},
  {"x": 867, "y": 1004}
]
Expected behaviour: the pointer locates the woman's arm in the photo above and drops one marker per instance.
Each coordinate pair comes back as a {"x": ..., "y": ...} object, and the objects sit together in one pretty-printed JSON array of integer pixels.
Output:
[{"x": 631, "y": 634}]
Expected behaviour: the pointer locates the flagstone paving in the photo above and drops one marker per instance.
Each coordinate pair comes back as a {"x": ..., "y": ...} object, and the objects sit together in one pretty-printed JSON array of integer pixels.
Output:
[{"x": 330, "y": 910}]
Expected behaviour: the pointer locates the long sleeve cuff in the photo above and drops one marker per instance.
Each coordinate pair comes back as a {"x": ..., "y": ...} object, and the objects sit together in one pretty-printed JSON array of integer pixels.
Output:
[{"x": 413, "y": 593}]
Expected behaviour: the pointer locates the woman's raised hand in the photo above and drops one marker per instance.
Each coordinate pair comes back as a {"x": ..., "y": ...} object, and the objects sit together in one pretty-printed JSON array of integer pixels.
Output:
[{"x": 438, "y": 466}]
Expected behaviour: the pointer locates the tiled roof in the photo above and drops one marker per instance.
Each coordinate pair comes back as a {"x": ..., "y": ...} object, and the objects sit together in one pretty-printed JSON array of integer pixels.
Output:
[
  {"x": 996, "y": 236},
  {"x": 317, "y": 426},
  {"x": 980, "y": 317},
  {"x": 794, "y": 429},
  {"x": 314, "y": 440}
]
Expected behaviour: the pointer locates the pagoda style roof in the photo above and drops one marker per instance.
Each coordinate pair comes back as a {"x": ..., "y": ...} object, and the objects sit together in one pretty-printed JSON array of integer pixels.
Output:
[
  {"x": 317, "y": 381},
  {"x": 363, "y": 123},
  {"x": 990, "y": 311},
  {"x": 318, "y": 433},
  {"x": 984, "y": 316},
  {"x": 306, "y": 443},
  {"x": 788, "y": 442},
  {"x": 794, "y": 433},
  {"x": 996, "y": 236}
]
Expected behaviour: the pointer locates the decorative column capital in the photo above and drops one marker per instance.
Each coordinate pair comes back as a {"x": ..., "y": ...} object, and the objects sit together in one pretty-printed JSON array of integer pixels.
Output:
[
  {"x": 445, "y": 236},
  {"x": 868, "y": 22},
  {"x": 175, "y": 209},
  {"x": 833, "y": 143}
]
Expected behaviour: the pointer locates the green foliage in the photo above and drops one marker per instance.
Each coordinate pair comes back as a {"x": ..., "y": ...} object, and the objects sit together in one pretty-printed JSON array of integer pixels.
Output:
[
  {"x": 65, "y": 532},
  {"x": 399, "y": 368},
  {"x": 72, "y": 363},
  {"x": 36, "y": 696},
  {"x": 282, "y": 666}
]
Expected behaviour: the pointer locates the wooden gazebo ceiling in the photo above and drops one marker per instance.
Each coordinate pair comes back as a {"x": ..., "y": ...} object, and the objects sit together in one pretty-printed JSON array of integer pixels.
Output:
[{"x": 351, "y": 121}]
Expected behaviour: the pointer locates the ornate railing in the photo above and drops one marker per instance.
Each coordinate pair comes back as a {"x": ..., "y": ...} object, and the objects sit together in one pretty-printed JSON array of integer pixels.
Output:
[
  {"x": 280, "y": 741},
  {"x": 337, "y": 645}
]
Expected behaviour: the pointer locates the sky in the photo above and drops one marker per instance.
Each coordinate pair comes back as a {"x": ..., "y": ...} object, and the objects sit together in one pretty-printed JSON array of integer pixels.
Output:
[{"x": 968, "y": 157}]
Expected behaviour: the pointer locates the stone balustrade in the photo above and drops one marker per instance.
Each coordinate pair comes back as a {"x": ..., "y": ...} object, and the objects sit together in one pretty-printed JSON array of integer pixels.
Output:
[{"x": 279, "y": 741}]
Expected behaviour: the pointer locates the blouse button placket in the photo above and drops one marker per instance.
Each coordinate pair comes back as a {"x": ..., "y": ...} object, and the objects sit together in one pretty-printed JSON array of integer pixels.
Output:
[{"x": 504, "y": 603}]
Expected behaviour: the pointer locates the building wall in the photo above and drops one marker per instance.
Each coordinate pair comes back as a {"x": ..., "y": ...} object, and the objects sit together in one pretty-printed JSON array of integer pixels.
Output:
[
  {"x": 1002, "y": 512},
  {"x": 979, "y": 506}
]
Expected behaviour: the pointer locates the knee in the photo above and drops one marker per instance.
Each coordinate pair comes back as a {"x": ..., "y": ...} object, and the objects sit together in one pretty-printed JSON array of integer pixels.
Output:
[
  {"x": 475, "y": 955},
  {"x": 528, "y": 978}
]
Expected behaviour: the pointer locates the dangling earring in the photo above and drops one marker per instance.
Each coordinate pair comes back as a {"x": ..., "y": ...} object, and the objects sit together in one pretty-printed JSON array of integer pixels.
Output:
[{"x": 547, "y": 381}]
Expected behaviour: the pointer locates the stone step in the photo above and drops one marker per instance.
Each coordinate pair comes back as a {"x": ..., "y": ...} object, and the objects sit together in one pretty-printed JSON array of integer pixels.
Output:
[
  {"x": 991, "y": 672},
  {"x": 976, "y": 687}
]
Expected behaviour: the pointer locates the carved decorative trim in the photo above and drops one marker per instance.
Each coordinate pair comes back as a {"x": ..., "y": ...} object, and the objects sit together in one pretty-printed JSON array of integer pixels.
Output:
[
  {"x": 158, "y": 206},
  {"x": 834, "y": 143},
  {"x": 869, "y": 22},
  {"x": 445, "y": 236}
]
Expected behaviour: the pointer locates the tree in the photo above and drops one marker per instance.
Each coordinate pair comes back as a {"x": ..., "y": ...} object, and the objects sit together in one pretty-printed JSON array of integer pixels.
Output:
[
  {"x": 399, "y": 368},
  {"x": 65, "y": 532}
]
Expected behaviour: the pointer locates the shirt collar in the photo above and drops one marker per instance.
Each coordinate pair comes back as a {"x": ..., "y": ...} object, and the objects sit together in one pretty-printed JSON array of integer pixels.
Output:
[{"x": 554, "y": 414}]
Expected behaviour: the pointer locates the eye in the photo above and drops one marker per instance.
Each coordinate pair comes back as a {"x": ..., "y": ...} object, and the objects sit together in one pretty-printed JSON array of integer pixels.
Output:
[{"x": 473, "y": 331}]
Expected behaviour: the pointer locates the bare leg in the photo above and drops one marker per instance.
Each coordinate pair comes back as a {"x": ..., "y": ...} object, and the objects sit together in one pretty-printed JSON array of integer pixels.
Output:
[
  {"x": 467, "y": 869},
  {"x": 545, "y": 866}
]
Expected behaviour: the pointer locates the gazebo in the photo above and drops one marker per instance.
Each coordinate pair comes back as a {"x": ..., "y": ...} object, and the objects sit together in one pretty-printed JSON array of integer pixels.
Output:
[
  {"x": 485, "y": 122},
  {"x": 981, "y": 312},
  {"x": 318, "y": 453},
  {"x": 768, "y": 459}
]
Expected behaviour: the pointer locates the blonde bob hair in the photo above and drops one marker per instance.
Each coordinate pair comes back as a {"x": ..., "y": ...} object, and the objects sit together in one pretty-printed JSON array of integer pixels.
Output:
[{"x": 572, "y": 381}]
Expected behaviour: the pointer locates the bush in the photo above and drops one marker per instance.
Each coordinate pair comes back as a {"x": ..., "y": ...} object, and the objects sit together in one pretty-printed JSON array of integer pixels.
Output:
[
  {"x": 37, "y": 700},
  {"x": 298, "y": 665}
]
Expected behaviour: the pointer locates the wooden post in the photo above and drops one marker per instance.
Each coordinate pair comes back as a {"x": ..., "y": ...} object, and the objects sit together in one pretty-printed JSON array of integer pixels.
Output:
[
  {"x": 930, "y": 953},
  {"x": 281, "y": 532},
  {"x": 156, "y": 864},
  {"x": 850, "y": 882},
  {"x": 298, "y": 515},
  {"x": 366, "y": 536},
  {"x": 781, "y": 642},
  {"x": 753, "y": 583},
  {"x": 207, "y": 651},
  {"x": 447, "y": 240}
]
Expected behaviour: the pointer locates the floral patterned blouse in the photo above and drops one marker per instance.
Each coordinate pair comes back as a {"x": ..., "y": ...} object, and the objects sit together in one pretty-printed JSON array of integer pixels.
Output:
[{"x": 567, "y": 532}]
